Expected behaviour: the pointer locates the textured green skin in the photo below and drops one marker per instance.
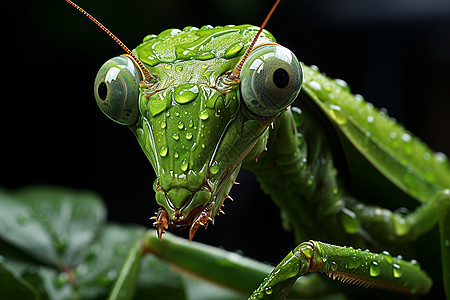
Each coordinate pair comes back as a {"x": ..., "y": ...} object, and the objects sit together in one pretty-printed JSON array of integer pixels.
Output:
[
  {"x": 196, "y": 139},
  {"x": 316, "y": 151}
]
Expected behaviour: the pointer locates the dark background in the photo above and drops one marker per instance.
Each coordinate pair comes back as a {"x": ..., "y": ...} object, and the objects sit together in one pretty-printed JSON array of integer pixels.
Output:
[{"x": 394, "y": 52}]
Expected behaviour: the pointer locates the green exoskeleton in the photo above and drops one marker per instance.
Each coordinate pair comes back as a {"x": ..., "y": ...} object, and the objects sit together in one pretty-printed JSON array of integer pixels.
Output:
[{"x": 202, "y": 102}]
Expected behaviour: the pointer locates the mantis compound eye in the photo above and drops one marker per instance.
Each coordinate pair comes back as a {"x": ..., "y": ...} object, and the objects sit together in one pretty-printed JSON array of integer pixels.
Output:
[
  {"x": 116, "y": 90},
  {"x": 271, "y": 79}
]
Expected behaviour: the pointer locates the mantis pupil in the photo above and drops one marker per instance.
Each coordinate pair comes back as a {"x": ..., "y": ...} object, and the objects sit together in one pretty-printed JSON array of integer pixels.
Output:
[
  {"x": 280, "y": 78},
  {"x": 102, "y": 90}
]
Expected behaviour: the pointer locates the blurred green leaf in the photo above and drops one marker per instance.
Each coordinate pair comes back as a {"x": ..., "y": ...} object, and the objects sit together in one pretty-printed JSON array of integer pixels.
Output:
[
  {"x": 54, "y": 245},
  {"x": 14, "y": 287},
  {"x": 52, "y": 224}
]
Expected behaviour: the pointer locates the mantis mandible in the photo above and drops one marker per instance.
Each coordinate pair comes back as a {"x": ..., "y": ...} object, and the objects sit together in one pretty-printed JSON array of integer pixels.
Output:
[{"x": 204, "y": 102}]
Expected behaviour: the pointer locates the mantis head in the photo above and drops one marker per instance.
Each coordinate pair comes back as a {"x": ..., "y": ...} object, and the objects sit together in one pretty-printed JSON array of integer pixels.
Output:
[{"x": 199, "y": 102}]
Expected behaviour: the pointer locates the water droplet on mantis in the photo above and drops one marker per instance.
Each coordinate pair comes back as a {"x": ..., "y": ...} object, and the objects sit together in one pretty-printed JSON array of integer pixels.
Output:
[
  {"x": 189, "y": 135},
  {"x": 163, "y": 125},
  {"x": 214, "y": 168},
  {"x": 184, "y": 165},
  {"x": 406, "y": 138},
  {"x": 342, "y": 84},
  {"x": 176, "y": 155},
  {"x": 387, "y": 256},
  {"x": 268, "y": 290},
  {"x": 180, "y": 125},
  {"x": 370, "y": 119},
  {"x": 374, "y": 269},
  {"x": 337, "y": 114},
  {"x": 204, "y": 115},
  {"x": 185, "y": 93},
  {"x": 397, "y": 271},
  {"x": 315, "y": 85},
  {"x": 163, "y": 151},
  {"x": 176, "y": 136},
  {"x": 440, "y": 157}
]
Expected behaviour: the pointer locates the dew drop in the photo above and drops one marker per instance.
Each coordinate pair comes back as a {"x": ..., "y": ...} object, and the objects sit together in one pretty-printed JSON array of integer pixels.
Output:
[
  {"x": 387, "y": 256},
  {"x": 397, "y": 271},
  {"x": 342, "y": 84},
  {"x": 359, "y": 97},
  {"x": 185, "y": 93},
  {"x": 163, "y": 125},
  {"x": 268, "y": 290},
  {"x": 315, "y": 85},
  {"x": 184, "y": 165},
  {"x": 163, "y": 151},
  {"x": 337, "y": 114},
  {"x": 191, "y": 123},
  {"x": 176, "y": 155},
  {"x": 406, "y": 137},
  {"x": 233, "y": 50},
  {"x": 176, "y": 136},
  {"x": 370, "y": 119},
  {"x": 204, "y": 115},
  {"x": 189, "y": 135},
  {"x": 214, "y": 168},
  {"x": 374, "y": 269},
  {"x": 180, "y": 125},
  {"x": 440, "y": 157},
  {"x": 408, "y": 145}
]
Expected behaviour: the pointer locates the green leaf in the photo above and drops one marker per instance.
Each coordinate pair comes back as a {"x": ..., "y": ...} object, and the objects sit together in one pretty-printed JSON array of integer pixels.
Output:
[
  {"x": 53, "y": 240},
  {"x": 14, "y": 287},
  {"x": 105, "y": 257},
  {"x": 52, "y": 224}
]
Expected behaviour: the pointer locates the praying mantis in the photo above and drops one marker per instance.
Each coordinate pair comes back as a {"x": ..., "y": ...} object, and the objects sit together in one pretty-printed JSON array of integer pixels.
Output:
[{"x": 204, "y": 102}]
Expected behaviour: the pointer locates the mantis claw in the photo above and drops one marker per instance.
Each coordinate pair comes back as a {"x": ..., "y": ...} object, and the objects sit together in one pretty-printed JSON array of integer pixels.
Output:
[
  {"x": 201, "y": 220},
  {"x": 162, "y": 221}
]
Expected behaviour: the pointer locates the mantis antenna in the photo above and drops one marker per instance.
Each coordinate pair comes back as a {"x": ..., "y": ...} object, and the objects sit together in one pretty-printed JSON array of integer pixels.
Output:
[
  {"x": 148, "y": 77},
  {"x": 235, "y": 75}
]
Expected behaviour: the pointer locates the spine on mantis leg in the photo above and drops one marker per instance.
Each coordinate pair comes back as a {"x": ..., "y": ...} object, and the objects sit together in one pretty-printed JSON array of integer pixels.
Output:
[{"x": 364, "y": 268}]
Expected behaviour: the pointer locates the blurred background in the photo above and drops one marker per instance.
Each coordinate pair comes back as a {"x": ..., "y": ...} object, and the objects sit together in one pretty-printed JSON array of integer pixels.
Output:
[{"x": 396, "y": 53}]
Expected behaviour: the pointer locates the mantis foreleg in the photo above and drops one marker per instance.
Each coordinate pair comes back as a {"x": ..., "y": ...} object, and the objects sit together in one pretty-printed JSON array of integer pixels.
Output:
[
  {"x": 224, "y": 268},
  {"x": 346, "y": 264}
]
